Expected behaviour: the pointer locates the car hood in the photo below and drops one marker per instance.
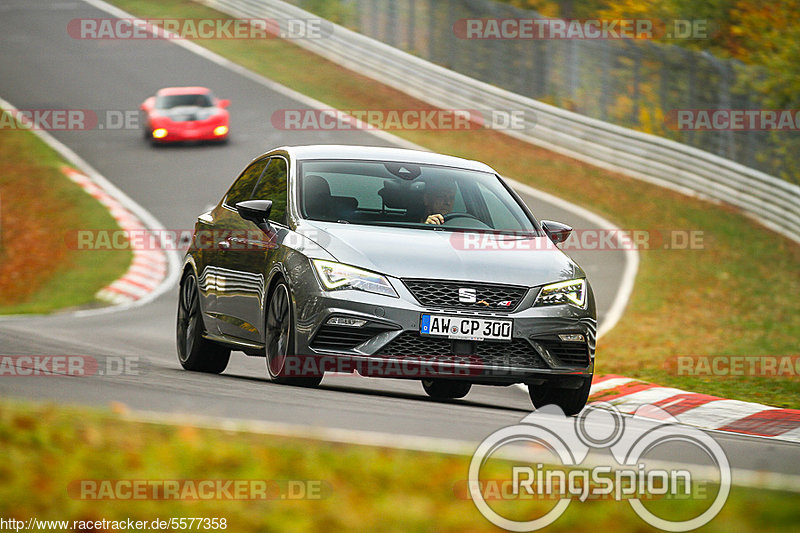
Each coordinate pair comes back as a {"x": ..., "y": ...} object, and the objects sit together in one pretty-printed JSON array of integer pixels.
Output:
[{"x": 423, "y": 253}]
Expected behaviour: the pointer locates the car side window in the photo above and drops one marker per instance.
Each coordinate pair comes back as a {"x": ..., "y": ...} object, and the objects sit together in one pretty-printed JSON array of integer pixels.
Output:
[
  {"x": 273, "y": 186},
  {"x": 242, "y": 188}
]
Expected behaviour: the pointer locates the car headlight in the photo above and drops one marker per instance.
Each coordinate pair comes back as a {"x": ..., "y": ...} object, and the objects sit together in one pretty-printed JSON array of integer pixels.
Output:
[
  {"x": 571, "y": 292},
  {"x": 336, "y": 276}
]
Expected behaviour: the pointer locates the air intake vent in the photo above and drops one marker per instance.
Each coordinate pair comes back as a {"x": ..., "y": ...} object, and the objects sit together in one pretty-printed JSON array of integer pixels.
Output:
[
  {"x": 409, "y": 345},
  {"x": 330, "y": 337},
  {"x": 573, "y": 354}
]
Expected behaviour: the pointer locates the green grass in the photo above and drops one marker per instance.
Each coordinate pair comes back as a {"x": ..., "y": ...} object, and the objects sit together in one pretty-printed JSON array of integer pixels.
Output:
[
  {"x": 39, "y": 209},
  {"x": 736, "y": 296},
  {"x": 47, "y": 449}
]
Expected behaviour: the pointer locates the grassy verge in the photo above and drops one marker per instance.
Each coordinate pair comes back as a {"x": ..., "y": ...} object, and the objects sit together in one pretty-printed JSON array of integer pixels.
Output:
[
  {"x": 39, "y": 208},
  {"x": 735, "y": 296},
  {"x": 50, "y": 449}
]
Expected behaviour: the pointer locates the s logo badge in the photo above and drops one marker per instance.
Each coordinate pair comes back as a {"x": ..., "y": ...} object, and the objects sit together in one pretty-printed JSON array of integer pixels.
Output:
[{"x": 467, "y": 296}]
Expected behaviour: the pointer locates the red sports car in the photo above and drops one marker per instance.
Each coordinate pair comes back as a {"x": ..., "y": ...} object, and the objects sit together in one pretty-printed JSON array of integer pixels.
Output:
[{"x": 177, "y": 114}]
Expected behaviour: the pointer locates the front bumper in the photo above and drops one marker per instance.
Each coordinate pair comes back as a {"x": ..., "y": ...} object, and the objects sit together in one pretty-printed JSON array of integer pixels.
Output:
[
  {"x": 190, "y": 131},
  {"x": 389, "y": 344}
]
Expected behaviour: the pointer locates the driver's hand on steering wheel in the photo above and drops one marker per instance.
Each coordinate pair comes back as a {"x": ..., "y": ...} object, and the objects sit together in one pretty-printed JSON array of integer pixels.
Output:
[{"x": 435, "y": 219}]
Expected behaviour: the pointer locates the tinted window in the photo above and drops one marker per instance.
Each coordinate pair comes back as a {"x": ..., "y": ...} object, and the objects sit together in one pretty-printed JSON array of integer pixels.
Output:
[
  {"x": 175, "y": 100},
  {"x": 378, "y": 193},
  {"x": 272, "y": 186},
  {"x": 242, "y": 188}
]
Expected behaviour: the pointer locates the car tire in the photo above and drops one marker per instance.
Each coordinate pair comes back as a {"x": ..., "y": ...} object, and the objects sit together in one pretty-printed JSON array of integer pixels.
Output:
[
  {"x": 279, "y": 338},
  {"x": 571, "y": 401},
  {"x": 446, "y": 389},
  {"x": 194, "y": 351}
]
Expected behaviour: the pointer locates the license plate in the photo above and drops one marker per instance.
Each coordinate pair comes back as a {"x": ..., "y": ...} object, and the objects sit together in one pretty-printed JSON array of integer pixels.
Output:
[{"x": 465, "y": 328}]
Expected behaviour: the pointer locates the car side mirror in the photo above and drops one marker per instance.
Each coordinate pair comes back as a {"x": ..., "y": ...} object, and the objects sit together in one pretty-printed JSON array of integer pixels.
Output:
[
  {"x": 223, "y": 103},
  {"x": 557, "y": 231},
  {"x": 256, "y": 211}
]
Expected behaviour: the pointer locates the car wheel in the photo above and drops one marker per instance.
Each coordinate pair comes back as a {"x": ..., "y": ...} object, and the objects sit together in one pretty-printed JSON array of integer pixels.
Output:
[
  {"x": 445, "y": 389},
  {"x": 571, "y": 401},
  {"x": 279, "y": 339},
  {"x": 195, "y": 352}
]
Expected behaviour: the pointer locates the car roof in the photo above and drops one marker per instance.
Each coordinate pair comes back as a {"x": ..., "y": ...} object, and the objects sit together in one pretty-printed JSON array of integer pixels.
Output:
[
  {"x": 380, "y": 153},
  {"x": 167, "y": 91}
]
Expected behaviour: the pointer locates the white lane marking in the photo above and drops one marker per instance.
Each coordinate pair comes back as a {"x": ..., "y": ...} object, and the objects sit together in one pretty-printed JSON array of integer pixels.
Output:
[
  {"x": 631, "y": 402},
  {"x": 718, "y": 413},
  {"x": 792, "y": 435},
  {"x": 673, "y": 402}
]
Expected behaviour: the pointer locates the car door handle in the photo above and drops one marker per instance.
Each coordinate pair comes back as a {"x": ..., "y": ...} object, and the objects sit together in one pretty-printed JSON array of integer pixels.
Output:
[{"x": 224, "y": 244}]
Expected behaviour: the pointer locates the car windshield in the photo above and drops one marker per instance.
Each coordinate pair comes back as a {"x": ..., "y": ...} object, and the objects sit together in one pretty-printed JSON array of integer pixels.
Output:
[
  {"x": 407, "y": 195},
  {"x": 177, "y": 100}
]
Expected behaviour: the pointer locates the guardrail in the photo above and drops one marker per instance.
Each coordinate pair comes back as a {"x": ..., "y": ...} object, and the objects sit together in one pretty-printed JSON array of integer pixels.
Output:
[{"x": 773, "y": 202}]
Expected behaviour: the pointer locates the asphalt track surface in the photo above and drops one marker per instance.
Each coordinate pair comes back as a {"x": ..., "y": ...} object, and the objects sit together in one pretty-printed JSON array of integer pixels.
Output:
[{"x": 41, "y": 67}]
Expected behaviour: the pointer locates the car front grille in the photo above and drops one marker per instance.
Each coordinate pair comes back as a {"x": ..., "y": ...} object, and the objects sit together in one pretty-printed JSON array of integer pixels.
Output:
[
  {"x": 409, "y": 345},
  {"x": 445, "y": 294},
  {"x": 574, "y": 354}
]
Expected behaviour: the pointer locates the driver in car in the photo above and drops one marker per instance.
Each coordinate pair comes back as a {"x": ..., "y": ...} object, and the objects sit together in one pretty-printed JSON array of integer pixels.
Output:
[{"x": 438, "y": 199}]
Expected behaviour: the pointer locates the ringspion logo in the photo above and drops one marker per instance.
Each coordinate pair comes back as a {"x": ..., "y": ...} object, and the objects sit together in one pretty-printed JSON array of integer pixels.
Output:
[{"x": 630, "y": 478}]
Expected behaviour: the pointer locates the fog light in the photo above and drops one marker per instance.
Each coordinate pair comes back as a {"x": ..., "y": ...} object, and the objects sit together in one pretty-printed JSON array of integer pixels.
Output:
[
  {"x": 345, "y": 321},
  {"x": 159, "y": 133},
  {"x": 220, "y": 130},
  {"x": 572, "y": 337}
]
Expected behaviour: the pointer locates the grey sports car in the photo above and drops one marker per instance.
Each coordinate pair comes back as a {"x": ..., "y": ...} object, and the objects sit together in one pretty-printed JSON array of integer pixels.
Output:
[{"x": 386, "y": 262}]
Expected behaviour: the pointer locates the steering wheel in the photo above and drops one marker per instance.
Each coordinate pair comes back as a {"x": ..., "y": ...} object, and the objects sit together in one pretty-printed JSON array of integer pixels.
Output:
[{"x": 451, "y": 216}]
